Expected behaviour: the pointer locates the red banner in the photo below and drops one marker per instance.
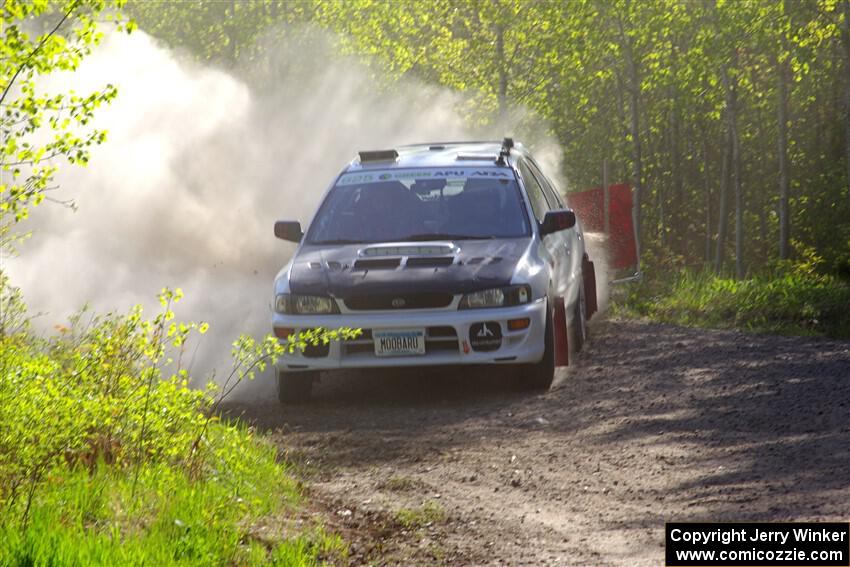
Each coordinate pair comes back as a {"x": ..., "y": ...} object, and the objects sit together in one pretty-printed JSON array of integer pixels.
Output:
[{"x": 589, "y": 206}]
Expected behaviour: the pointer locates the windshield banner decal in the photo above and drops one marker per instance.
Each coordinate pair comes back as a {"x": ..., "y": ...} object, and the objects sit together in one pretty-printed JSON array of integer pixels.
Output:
[{"x": 355, "y": 178}]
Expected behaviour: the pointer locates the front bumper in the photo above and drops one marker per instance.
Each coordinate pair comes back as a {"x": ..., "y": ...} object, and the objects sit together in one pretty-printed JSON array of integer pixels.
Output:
[{"x": 447, "y": 339}]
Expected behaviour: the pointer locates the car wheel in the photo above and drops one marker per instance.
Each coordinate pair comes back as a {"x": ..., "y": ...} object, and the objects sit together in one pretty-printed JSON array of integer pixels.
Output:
[
  {"x": 578, "y": 326},
  {"x": 539, "y": 376},
  {"x": 295, "y": 387}
]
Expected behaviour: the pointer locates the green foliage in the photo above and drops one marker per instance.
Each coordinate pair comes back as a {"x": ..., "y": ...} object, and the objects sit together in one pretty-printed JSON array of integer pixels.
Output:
[
  {"x": 218, "y": 31},
  {"x": 423, "y": 516},
  {"x": 107, "y": 456},
  {"x": 102, "y": 517},
  {"x": 788, "y": 300},
  {"x": 320, "y": 336},
  {"x": 684, "y": 70},
  {"x": 38, "y": 38}
]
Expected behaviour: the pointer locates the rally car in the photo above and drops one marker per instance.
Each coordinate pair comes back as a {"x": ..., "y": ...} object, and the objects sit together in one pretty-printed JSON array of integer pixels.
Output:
[{"x": 456, "y": 253}]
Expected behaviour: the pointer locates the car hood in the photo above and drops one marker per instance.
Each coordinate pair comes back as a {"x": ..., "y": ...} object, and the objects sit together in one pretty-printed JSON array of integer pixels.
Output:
[{"x": 422, "y": 267}]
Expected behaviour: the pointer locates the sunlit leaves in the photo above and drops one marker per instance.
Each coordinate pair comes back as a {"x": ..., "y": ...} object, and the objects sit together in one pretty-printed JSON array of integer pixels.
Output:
[{"x": 39, "y": 129}]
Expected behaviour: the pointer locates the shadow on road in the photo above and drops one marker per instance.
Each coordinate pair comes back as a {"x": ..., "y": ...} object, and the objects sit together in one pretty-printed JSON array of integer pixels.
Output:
[
  {"x": 743, "y": 426},
  {"x": 692, "y": 424}
]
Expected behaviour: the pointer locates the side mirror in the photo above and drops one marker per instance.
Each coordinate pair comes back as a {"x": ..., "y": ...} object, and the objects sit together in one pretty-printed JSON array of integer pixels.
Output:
[
  {"x": 554, "y": 221},
  {"x": 288, "y": 230}
]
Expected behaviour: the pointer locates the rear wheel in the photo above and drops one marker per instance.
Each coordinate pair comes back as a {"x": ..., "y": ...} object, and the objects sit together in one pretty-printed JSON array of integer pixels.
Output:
[
  {"x": 539, "y": 376},
  {"x": 578, "y": 326},
  {"x": 295, "y": 387}
]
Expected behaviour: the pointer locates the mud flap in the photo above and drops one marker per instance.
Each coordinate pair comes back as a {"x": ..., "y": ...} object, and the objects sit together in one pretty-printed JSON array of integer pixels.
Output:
[
  {"x": 589, "y": 274},
  {"x": 562, "y": 350}
]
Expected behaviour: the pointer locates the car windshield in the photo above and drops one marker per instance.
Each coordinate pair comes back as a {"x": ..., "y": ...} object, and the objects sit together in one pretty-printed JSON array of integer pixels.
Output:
[{"x": 421, "y": 204}]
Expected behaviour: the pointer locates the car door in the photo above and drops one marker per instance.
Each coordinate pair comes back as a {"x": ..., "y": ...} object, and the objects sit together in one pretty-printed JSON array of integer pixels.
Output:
[
  {"x": 570, "y": 247},
  {"x": 552, "y": 246}
]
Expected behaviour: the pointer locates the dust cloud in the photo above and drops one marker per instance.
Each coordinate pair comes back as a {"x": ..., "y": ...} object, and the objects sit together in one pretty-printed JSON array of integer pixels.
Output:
[{"x": 197, "y": 167}]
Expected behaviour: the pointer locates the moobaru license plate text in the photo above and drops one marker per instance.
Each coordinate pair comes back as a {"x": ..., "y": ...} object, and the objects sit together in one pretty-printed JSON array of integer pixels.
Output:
[{"x": 399, "y": 342}]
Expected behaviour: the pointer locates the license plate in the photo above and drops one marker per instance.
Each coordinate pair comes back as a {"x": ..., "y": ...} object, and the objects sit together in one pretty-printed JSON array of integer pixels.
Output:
[{"x": 399, "y": 342}]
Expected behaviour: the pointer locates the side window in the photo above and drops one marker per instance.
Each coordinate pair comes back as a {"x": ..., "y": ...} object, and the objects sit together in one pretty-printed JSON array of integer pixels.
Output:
[
  {"x": 535, "y": 192},
  {"x": 551, "y": 193}
]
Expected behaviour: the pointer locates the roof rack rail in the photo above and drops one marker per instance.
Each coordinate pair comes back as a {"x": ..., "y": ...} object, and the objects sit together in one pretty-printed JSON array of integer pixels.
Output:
[
  {"x": 454, "y": 143},
  {"x": 378, "y": 155}
]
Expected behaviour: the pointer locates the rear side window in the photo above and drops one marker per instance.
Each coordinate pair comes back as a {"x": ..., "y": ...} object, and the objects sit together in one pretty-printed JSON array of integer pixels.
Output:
[
  {"x": 549, "y": 189},
  {"x": 535, "y": 192}
]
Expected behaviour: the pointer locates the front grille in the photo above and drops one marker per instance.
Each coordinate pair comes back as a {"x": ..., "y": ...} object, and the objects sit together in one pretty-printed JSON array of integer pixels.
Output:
[
  {"x": 399, "y": 301},
  {"x": 377, "y": 264},
  {"x": 437, "y": 339},
  {"x": 316, "y": 351},
  {"x": 426, "y": 262}
]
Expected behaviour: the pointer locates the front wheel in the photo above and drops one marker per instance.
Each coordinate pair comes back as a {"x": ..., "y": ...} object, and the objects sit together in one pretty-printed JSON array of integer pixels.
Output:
[
  {"x": 539, "y": 376},
  {"x": 295, "y": 387}
]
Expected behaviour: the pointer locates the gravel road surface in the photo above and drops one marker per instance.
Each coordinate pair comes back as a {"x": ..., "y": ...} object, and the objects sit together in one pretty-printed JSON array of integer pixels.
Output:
[{"x": 651, "y": 423}]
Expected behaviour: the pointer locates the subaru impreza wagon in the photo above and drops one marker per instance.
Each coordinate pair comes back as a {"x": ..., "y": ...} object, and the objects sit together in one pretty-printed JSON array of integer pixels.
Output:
[{"x": 456, "y": 253}]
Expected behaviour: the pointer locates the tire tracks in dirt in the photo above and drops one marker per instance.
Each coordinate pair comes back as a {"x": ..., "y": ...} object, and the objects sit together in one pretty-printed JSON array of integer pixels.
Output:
[{"x": 652, "y": 423}]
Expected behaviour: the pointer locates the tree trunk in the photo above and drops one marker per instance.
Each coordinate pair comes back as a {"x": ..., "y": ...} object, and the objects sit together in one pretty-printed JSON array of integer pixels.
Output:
[
  {"x": 782, "y": 147},
  {"x": 723, "y": 209},
  {"x": 732, "y": 125},
  {"x": 675, "y": 212},
  {"x": 707, "y": 191},
  {"x": 782, "y": 141},
  {"x": 633, "y": 88},
  {"x": 623, "y": 123},
  {"x": 502, "y": 94},
  {"x": 845, "y": 32},
  {"x": 739, "y": 199}
]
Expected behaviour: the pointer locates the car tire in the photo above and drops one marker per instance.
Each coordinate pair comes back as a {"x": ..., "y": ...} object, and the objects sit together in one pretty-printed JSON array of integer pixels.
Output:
[
  {"x": 539, "y": 376},
  {"x": 578, "y": 326},
  {"x": 294, "y": 387}
]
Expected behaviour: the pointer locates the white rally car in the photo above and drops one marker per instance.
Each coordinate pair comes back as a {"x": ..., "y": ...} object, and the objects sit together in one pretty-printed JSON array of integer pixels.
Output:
[{"x": 443, "y": 254}]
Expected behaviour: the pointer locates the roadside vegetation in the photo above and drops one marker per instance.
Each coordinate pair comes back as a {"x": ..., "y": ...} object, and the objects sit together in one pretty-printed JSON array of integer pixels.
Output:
[
  {"x": 108, "y": 457},
  {"x": 787, "y": 298},
  {"x": 110, "y": 452}
]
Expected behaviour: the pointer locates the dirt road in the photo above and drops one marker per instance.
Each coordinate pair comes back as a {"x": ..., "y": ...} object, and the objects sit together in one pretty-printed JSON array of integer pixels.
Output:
[{"x": 652, "y": 423}]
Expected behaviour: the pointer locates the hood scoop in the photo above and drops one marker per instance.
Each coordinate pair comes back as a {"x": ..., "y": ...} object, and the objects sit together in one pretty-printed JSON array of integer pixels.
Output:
[{"x": 407, "y": 250}]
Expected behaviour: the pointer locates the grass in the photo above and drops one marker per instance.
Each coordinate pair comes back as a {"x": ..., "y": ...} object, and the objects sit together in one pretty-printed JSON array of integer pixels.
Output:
[
  {"x": 160, "y": 515},
  {"x": 423, "y": 516},
  {"x": 401, "y": 484},
  {"x": 107, "y": 457},
  {"x": 789, "y": 302},
  {"x": 83, "y": 518}
]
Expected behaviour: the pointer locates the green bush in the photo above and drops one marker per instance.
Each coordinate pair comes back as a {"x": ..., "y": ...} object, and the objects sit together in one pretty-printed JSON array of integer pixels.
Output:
[
  {"x": 108, "y": 457},
  {"x": 792, "y": 300}
]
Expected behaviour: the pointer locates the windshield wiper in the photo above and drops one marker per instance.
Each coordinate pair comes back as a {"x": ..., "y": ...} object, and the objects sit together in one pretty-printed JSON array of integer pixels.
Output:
[{"x": 443, "y": 236}]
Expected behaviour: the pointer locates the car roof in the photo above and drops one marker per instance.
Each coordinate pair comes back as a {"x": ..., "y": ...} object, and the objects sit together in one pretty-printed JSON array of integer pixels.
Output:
[{"x": 440, "y": 154}]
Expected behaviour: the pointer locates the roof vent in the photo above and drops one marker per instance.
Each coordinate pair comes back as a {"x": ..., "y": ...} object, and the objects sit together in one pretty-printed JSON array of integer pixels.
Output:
[
  {"x": 475, "y": 157},
  {"x": 378, "y": 155}
]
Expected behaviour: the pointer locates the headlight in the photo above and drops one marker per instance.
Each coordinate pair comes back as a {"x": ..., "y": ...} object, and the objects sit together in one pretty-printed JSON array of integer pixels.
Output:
[
  {"x": 496, "y": 297},
  {"x": 304, "y": 304}
]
